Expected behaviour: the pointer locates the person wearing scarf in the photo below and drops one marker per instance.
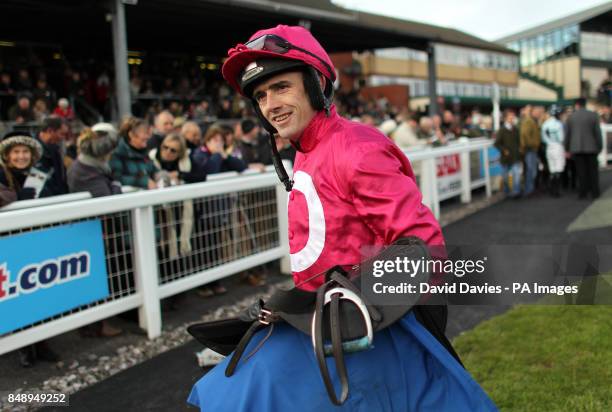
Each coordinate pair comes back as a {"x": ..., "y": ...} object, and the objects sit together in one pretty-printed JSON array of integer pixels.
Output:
[{"x": 18, "y": 153}]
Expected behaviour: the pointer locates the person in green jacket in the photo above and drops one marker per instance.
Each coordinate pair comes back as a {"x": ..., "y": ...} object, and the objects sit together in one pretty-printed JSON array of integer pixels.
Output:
[
  {"x": 530, "y": 144},
  {"x": 130, "y": 163}
]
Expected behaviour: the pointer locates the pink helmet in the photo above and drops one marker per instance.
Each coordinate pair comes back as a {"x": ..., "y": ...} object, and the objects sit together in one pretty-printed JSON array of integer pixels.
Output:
[{"x": 273, "y": 51}]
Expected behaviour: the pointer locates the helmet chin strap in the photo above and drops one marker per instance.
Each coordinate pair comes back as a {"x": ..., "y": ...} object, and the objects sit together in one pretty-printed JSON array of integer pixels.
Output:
[
  {"x": 279, "y": 167},
  {"x": 276, "y": 159}
]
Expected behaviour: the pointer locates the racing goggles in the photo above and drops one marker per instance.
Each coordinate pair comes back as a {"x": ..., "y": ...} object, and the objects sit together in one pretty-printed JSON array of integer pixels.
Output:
[{"x": 278, "y": 45}]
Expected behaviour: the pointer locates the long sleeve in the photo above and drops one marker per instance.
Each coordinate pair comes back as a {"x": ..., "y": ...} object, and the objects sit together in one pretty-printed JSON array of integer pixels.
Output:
[
  {"x": 598, "y": 139},
  {"x": 196, "y": 174},
  {"x": 388, "y": 199},
  {"x": 7, "y": 195},
  {"x": 234, "y": 164}
]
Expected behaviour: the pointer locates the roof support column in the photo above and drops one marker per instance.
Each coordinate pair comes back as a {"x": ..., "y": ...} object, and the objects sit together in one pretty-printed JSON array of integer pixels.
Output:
[
  {"x": 122, "y": 81},
  {"x": 431, "y": 74}
]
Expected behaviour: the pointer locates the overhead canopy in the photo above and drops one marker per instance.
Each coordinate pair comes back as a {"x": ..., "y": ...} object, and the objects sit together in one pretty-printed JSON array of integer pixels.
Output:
[
  {"x": 594, "y": 19},
  {"x": 210, "y": 27}
]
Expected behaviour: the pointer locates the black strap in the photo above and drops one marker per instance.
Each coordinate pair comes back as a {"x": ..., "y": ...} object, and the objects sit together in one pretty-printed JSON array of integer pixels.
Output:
[
  {"x": 336, "y": 346},
  {"x": 233, "y": 363},
  {"x": 433, "y": 318},
  {"x": 279, "y": 167},
  {"x": 346, "y": 283},
  {"x": 336, "y": 337}
]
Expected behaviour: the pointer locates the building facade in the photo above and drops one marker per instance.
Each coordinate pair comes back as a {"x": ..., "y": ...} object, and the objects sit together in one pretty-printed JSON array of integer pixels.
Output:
[
  {"x": 572, "y": 55},
  {"x": 464, "y": 75}
]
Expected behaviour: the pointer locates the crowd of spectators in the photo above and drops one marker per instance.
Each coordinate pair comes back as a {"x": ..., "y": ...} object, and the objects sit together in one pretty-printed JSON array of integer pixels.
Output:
[
  {"x": 544, "y": 150},
  {"x": 215, "y": 126}
]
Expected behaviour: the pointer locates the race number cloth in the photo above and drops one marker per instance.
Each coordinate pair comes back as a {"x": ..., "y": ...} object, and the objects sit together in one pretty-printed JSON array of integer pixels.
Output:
[{"x": 407, "y": 370}]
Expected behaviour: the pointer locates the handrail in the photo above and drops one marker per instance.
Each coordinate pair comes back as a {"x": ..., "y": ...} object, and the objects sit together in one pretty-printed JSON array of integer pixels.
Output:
[
  {"x": 61, "y": 208},
  {"x": 453, "y": 148},
  {"x": 16, "y": 219},
  {"x": 45, "y": 201},
  {"x": 428, "y": 171}
]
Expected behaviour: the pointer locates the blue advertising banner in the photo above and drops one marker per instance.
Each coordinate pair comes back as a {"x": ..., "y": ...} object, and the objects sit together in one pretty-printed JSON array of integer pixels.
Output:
[
  {"x": 50, "y": 271},
  {"x": 495, "y": 167}
]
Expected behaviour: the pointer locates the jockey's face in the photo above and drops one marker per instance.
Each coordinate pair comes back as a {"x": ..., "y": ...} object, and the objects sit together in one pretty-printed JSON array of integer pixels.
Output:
[{"x": 285, "y": 104}]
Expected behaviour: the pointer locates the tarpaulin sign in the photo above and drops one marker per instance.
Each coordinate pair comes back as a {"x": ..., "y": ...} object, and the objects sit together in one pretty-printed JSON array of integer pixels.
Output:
[{"x": 47, "y": 272}]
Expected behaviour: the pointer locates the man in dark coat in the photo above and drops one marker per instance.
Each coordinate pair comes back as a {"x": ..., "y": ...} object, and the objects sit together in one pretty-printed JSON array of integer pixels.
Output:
[
  {"x": 508, "y": 143},
  {"x": 164, "y": 124},
  {"x": 254, "y": 149},
  {"x": 583, "y": 142},
  {"x": 53, "y": 132}
]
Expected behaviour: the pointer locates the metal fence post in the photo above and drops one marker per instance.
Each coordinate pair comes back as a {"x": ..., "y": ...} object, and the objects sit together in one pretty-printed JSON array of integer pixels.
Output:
[
  {"x": 487, "y": 174},
  {"x": 429, "y": 185},
  {"x": 604, "y": 156},
  {"x": 146, "y": 270},
  {"x": 466, "y": 183},
  {"x": 283, "y": 227}
]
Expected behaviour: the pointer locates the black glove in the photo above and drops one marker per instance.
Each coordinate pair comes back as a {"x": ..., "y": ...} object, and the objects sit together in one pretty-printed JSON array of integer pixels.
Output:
[{"x": 26, "y": 193}]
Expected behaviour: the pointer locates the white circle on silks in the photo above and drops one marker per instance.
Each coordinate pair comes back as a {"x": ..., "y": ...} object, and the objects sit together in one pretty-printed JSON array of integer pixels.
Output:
[{"x": 308, "y": 255}]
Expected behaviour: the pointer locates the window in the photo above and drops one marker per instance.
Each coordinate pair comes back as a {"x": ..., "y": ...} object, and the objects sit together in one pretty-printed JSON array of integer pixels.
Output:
[
  {"x": 558, "y": 41},
  {"x": 596, "y": 46}
]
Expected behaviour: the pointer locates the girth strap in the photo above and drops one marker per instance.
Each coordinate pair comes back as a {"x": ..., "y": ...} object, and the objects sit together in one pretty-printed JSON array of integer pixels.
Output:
[{"x": 233, "y": 363}]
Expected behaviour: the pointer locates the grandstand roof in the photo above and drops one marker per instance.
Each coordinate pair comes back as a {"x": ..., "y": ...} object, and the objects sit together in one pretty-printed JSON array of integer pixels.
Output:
[
  {"x": 212, "y": 26},
  {"x": 579, "y": 17}
]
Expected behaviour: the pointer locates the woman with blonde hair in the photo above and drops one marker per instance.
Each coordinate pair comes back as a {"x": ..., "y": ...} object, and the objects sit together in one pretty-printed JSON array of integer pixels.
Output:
[{"x": 176, "y": 168}]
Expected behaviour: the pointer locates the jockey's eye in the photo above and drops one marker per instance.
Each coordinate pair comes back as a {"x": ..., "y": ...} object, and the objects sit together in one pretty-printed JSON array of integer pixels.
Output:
[{"x": 259, "y": 97}]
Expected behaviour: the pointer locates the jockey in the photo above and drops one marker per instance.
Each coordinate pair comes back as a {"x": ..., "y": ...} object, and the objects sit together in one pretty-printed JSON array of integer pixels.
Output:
[{"x": 352, "y": 187}]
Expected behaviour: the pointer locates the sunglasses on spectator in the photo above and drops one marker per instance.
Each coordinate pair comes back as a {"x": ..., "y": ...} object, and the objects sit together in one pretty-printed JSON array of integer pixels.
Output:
[
  {"x": 170, "y": 149},
  {"x": 276, "y": 44}
]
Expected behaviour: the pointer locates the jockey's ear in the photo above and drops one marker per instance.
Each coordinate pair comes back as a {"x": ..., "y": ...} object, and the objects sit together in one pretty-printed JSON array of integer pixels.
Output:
[{"x": 322, "y": 81}]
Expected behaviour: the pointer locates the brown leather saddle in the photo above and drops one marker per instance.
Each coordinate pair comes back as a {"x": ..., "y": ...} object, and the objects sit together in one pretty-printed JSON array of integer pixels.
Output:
[{"x": 338, "y": 316}]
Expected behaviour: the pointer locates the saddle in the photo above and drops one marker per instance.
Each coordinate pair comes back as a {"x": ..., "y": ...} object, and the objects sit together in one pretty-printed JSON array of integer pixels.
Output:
[{"x": 338, "y": 316}]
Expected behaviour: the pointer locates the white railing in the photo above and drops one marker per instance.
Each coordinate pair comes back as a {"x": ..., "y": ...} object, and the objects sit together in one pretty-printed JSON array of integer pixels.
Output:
[
  {"x": 606, "y": 137},
  {"x": 256, "y": 202},
  {"x": 45, "y": 201},
  {"x": 429, "y": 180},
  {"x": 267, "y": 236}
]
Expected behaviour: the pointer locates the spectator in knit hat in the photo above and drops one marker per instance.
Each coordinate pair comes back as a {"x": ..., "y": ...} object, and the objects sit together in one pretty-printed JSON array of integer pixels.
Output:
[
  {"x": 63, "y": 109},
  {"x": 18, "y": 153},
  {"x": 91, "y": 172},
  {"x": 20, "y": 181}
]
